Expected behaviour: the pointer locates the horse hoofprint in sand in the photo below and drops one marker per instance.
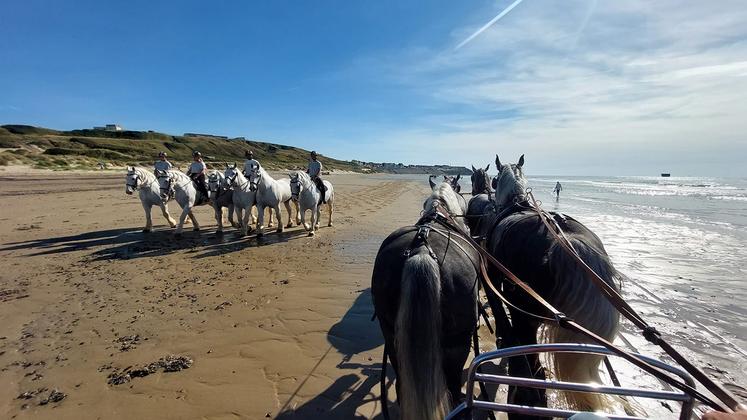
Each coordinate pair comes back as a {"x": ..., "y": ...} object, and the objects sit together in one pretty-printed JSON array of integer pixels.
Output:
[
  {"x": 146, "y": 184},
  {"x": 180, "y": 186},
  {"x": 305, "y": 191}
]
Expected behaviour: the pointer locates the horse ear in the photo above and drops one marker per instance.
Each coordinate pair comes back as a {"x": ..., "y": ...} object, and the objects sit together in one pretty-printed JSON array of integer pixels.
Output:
[
  {"x": 473, "y": 168},
  {"x": 226, "y": 164},
  {"x": 487, "y": 167},
  {"x": 234, "y": 165},
  {"x": 458, "y": 177},
  {"x": 430, "y": 181},
  {"x": 498, "y": 162},
  {"x": 521, "y": 162}
]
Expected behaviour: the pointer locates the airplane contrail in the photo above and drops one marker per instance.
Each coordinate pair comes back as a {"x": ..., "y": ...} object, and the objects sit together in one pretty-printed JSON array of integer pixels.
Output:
[{"x": 489, "y": 24}]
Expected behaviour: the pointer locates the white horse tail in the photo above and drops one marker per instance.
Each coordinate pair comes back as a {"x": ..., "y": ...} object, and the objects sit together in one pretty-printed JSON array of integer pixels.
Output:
[
  {"x": 417, "y": 341},
  {"x": 579, "y": 298}
]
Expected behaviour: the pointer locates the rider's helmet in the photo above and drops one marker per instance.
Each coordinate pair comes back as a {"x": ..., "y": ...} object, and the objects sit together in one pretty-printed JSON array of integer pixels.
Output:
[
  {"x": 249, "y": 154},
  {"x": 196, "y": 154},
  {"x": 313, "y": 153},
  {"x": 160, "y": 154}
]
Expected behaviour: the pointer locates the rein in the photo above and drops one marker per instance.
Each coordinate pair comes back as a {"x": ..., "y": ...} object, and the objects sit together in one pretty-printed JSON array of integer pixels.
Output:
[{"x": 649, "y": 332}]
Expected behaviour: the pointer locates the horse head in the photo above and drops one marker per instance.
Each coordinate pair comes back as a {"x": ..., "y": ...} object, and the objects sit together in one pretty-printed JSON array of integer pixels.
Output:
[
  {"x": 510, "y": 184},
  {"x": 132, "y": 180},
  {"x": 165, "y": 184},
  {"x": 480, "y": 180},
  {"x": 255, "y": 176},
  {"x": 215, "y": 184},
  {"x": 231, "y": 175},
  {"x": 454, "y": 182},
  {"x": 295, "y": 185}
]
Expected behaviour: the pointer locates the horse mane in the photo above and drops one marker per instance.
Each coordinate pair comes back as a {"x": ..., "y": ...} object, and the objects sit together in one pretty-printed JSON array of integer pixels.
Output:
[
  {"x": 444, "y": 194},
  {"x": 179, "y": 174},
  {"x": 304, "y": 178},
  {"x": 145, "y": 173},
  {"x": 510, "y": 185}
]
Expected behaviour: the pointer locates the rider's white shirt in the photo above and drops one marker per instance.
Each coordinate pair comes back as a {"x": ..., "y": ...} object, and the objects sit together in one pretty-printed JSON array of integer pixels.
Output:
[
  {"x": 162, "y": 165},
  {"x": 315, "y": 168},
  {"x": 197, "y": 167}
]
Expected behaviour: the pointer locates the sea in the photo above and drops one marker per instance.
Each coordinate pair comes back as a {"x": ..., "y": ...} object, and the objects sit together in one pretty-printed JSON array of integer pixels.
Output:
[{"x": 680, "y": 244}]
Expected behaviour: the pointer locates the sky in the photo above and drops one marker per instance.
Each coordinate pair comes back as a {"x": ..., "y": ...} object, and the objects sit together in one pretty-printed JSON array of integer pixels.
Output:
[{"x": 581, "y": 87}]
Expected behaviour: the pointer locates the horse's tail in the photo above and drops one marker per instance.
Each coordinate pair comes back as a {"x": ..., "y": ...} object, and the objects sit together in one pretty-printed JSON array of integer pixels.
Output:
[
  {"x": 418, "y": 341},
  {"x": 579, "y": 298}
]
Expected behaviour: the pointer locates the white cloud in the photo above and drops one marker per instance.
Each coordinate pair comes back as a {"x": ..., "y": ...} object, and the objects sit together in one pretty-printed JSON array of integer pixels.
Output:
[{"x": 579, "y": 80}]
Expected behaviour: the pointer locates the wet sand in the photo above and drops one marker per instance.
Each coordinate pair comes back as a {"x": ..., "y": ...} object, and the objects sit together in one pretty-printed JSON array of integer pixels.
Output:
[
  {"x": 274, "y": 328},
  {"x": 279, "y": 327}
]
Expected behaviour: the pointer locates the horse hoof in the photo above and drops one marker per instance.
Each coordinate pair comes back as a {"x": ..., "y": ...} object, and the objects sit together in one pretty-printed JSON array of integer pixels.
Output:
[
  {"x": 173, "y": 226},
  {"x": 289, "y": 225},
  {"x": 146, "y": 230},
  {"x": 279, "y": 230},
  {"x": 329, "y": 224},
  {"x": 311, "y": 233},
  {"x": 195, "y": 229}
]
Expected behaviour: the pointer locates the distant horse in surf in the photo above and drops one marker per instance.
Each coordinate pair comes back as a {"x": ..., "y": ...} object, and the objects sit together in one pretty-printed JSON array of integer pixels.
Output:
[
  {"x": 424, "y": 288},
  {"x": 178, "y": 185},
  {"x": 270, "y": 193},
  {"x": 221, "y": 195},
  {"x": 146, "y": 184},
  {"x": 308, "y": 197},
  {"x": 517, "y": 237}
]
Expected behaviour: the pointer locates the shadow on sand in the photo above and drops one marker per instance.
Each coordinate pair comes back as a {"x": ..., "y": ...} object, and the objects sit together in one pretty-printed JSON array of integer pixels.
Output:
[
  {"x": 128, "y": 243},
  {"x": 358, "y": 384}
]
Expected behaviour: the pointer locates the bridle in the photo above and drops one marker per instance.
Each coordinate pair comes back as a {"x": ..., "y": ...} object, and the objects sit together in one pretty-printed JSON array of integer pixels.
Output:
[
  {"x": 254, "y": 184},
  {"x": 230, "y": 180},
  {"x": 295, "y": 181}
]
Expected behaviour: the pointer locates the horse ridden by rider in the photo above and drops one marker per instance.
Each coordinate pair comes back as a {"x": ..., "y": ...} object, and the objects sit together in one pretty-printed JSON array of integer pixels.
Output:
[
  {"x": 308, "y": 197},
  {"x": 424, "y": 288},
  {"x": 516, "y": 235}
]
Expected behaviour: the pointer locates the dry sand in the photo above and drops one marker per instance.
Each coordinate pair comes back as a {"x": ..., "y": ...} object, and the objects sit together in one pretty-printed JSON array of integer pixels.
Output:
[{"x": 276, "y": 328}]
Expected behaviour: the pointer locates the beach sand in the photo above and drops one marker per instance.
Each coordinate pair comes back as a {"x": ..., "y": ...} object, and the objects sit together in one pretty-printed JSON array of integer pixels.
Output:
[
  {"x": 275, "y": 328},
  {"x": 279, "y": 327}
]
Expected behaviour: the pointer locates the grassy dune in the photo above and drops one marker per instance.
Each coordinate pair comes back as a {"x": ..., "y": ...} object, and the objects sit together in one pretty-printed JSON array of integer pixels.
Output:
[{"x": 84, "y": 149}]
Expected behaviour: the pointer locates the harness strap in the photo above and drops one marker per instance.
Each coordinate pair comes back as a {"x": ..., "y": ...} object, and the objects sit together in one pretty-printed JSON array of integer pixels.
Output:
[
  {"x": 568, "y": 323},
  {"x": 649, "y": 332}
]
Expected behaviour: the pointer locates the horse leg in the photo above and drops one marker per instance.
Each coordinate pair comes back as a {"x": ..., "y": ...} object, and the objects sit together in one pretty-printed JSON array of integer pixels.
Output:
[
  {"x": 279, "y": 217},
  {"x": 525, "y": 332},
  {"x": 298, "y": 211},
  {"x": 270, "y": 224},
  {"x": 318, "y": 216},
  {"x": 260, "y": 219},
  {"x": 454, "y": 356},
  {"x": 290, "y": 215},
  {"x": 303, "y": 220},
  {"x": 196, "y": 226},
  {"x": 165, "y": 211},
  {"x": 331, "y": 208},
  {"x": 245, "y": 228},
  {"x": 182, "y": 217},
  {"x": 218, "y": 216},
  {"x": 231, "y": 210},
  {"x": 148, "y": 220},
  {"x": 314, "y": 220}
]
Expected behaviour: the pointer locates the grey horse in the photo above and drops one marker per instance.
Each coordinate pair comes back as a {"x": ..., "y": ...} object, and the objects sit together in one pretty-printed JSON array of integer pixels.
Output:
[{"x": 424, "y": 288}]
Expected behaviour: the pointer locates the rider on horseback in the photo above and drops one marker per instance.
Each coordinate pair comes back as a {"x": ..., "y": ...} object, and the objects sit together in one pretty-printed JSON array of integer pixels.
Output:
[
  {"x": 162, "y": 164},
  {"x": 250, "y": 164},
  {"x": 315, "y": 170},
  {"x": 197, "y": 172}
]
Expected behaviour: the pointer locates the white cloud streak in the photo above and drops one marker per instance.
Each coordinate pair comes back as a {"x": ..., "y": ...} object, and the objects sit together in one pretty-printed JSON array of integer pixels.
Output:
[{"x": 489, "y": 24}]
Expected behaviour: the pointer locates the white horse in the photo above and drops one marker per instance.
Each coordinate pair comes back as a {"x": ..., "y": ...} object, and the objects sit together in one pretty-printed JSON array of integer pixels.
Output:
[
  {"x": 180, "y": 186},
  {"x": 221, "y": 195},
  {"x": 244, "y": 198},
  {"x": 270, "y": 193},
  {"x": 146, "y": 184},
  {"x": 306, "y": 192}
]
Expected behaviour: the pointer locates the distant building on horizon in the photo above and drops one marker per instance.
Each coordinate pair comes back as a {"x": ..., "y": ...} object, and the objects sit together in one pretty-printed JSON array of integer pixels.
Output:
[{"x": 110, "y": 127}]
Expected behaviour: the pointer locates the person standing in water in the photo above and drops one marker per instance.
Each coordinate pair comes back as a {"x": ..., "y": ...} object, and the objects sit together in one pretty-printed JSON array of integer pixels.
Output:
[
  {"x": 315, "y": 170},
  {"x": 557, "y": 190}
]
